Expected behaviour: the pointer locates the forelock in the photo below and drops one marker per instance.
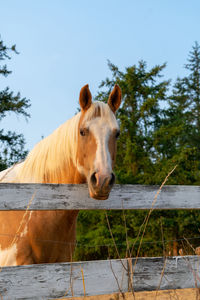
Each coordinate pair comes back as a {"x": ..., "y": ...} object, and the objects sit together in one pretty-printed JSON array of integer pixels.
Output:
[{"x": 100, "y": 110}]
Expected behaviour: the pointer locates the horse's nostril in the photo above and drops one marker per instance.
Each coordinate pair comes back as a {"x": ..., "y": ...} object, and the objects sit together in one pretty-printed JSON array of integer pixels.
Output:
[
  {"x": 93, "y": 179},
  {"x": 99, "y": 181},
  {"x": 112, "y": 180}
]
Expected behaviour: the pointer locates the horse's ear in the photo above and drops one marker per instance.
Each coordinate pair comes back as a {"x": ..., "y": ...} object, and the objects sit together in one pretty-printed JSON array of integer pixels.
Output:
[
  {"x": 115, "y": 97},
  {"x": 85, "y": 98}
]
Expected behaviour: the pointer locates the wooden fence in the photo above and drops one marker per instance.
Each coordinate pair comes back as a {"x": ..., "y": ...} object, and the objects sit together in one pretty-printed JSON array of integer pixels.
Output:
[{"x": 49, "y": 281}]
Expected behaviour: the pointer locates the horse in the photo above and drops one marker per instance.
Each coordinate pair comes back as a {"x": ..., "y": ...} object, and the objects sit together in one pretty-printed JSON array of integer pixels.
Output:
[{"x": 82, "y": 150}]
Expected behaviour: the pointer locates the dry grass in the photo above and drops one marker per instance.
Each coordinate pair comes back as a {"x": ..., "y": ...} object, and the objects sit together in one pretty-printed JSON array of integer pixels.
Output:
[{"x": 185, "y": 294}]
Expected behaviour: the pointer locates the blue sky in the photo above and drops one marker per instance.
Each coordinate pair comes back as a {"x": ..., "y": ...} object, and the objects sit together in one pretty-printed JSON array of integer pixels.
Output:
[{"x": 65, "y": 44}]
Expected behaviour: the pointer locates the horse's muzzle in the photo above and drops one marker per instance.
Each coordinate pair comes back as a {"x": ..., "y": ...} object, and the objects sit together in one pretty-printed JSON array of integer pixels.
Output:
[{"x": 100, "y": 185}]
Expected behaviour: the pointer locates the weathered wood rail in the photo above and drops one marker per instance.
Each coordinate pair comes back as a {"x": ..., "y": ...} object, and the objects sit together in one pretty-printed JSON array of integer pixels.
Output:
[
  {"x": 50, "y": 281},
  {"x": 69, "y": 196}
]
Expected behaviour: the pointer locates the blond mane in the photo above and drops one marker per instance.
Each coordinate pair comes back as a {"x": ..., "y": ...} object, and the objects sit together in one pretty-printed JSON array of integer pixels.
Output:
[
  {"x": 45, "y": 162},
  {"x": 50, "y": 159}
]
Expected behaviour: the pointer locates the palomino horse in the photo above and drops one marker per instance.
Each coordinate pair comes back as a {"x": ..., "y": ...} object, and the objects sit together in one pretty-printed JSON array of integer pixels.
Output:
[{"x": 81, "y": 150}]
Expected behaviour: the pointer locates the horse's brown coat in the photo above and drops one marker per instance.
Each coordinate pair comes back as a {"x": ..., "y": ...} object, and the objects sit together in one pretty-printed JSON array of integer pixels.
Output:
[{"x": 50, "y": 236}]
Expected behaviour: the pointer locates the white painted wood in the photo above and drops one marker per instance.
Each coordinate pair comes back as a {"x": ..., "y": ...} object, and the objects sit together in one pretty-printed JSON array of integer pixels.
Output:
[
  {"x": 179, "y": 272},
  {"x": 56, "y": 280},
  {"x": 53, "y": 196},
  {"x": 52, "y": 281},
  {"x": 64, "y": 280}
]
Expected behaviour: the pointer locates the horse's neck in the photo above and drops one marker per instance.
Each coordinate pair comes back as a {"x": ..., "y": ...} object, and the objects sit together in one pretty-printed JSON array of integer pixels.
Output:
[{"x": 70, "y": 175}]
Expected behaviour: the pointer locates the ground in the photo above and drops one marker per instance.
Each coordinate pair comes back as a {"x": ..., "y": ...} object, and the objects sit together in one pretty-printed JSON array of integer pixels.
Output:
[{"x": 185, "y": 294}]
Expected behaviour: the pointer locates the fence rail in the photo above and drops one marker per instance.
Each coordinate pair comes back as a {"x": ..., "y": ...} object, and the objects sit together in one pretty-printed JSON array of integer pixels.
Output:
[
  {"x": 69, "y": 196},
  {"x": 49, "y": 281}
]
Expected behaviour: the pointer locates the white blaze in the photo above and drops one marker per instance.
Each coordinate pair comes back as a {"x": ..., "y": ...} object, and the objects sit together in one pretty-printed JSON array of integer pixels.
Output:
[
  {"x": 102, "y": 129},
  {"x": 102, "y": 163}
]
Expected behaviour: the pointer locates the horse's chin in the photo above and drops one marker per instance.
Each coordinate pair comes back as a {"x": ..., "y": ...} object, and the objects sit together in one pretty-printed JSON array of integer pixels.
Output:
[{"x": 98, "y": 196}]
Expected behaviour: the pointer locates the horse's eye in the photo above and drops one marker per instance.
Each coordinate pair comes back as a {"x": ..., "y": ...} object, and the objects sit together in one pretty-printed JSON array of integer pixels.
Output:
[
  {"x": 117, "y": 134},
  {"x": 82, "y": 132}
]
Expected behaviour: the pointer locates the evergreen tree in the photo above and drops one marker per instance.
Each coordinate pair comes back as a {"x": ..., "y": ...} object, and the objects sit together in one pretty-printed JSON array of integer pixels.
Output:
[
  {"x": 139, "y": 117},
  {"x": 177, "y": 141},
  {"x": 153, "y": 140},
  {"x": 11, "y": 144},
  {"x": 191, "y": 84}
]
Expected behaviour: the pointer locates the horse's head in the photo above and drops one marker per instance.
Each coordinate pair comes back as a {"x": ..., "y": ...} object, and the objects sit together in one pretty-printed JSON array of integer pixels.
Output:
[{"x": 97, "y": 137}]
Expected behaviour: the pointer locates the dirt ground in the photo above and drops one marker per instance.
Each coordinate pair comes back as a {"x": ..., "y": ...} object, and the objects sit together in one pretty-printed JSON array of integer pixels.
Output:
[{"x": 185, "y": 294}]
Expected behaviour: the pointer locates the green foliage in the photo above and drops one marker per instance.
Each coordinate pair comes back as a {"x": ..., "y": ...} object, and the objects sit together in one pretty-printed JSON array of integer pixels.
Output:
[
  {"x": 178, "y": 138},
  {"x": 158, "y": 131},
  {"x": 139, "y": 117},
  {"x": 12, "y": 148},
  {"x": 11, "y": 144}
]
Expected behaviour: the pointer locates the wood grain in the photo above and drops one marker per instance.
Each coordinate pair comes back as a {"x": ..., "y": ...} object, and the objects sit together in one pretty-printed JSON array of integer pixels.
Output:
[
  {"x": 50, "y": 281},
  {"x": 100, "y": 277},
  {"x": 59, "y": 197}
]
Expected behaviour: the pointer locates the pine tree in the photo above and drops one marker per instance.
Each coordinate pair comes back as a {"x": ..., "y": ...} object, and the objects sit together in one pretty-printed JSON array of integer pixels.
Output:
[
  {"x": 11, "y": 144},
  {"x": 154, "y": 138},
  {"x": 177, "y": 141},
  {"x": 139, "y": 117},
  {"x": 192, "y": 90}
]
